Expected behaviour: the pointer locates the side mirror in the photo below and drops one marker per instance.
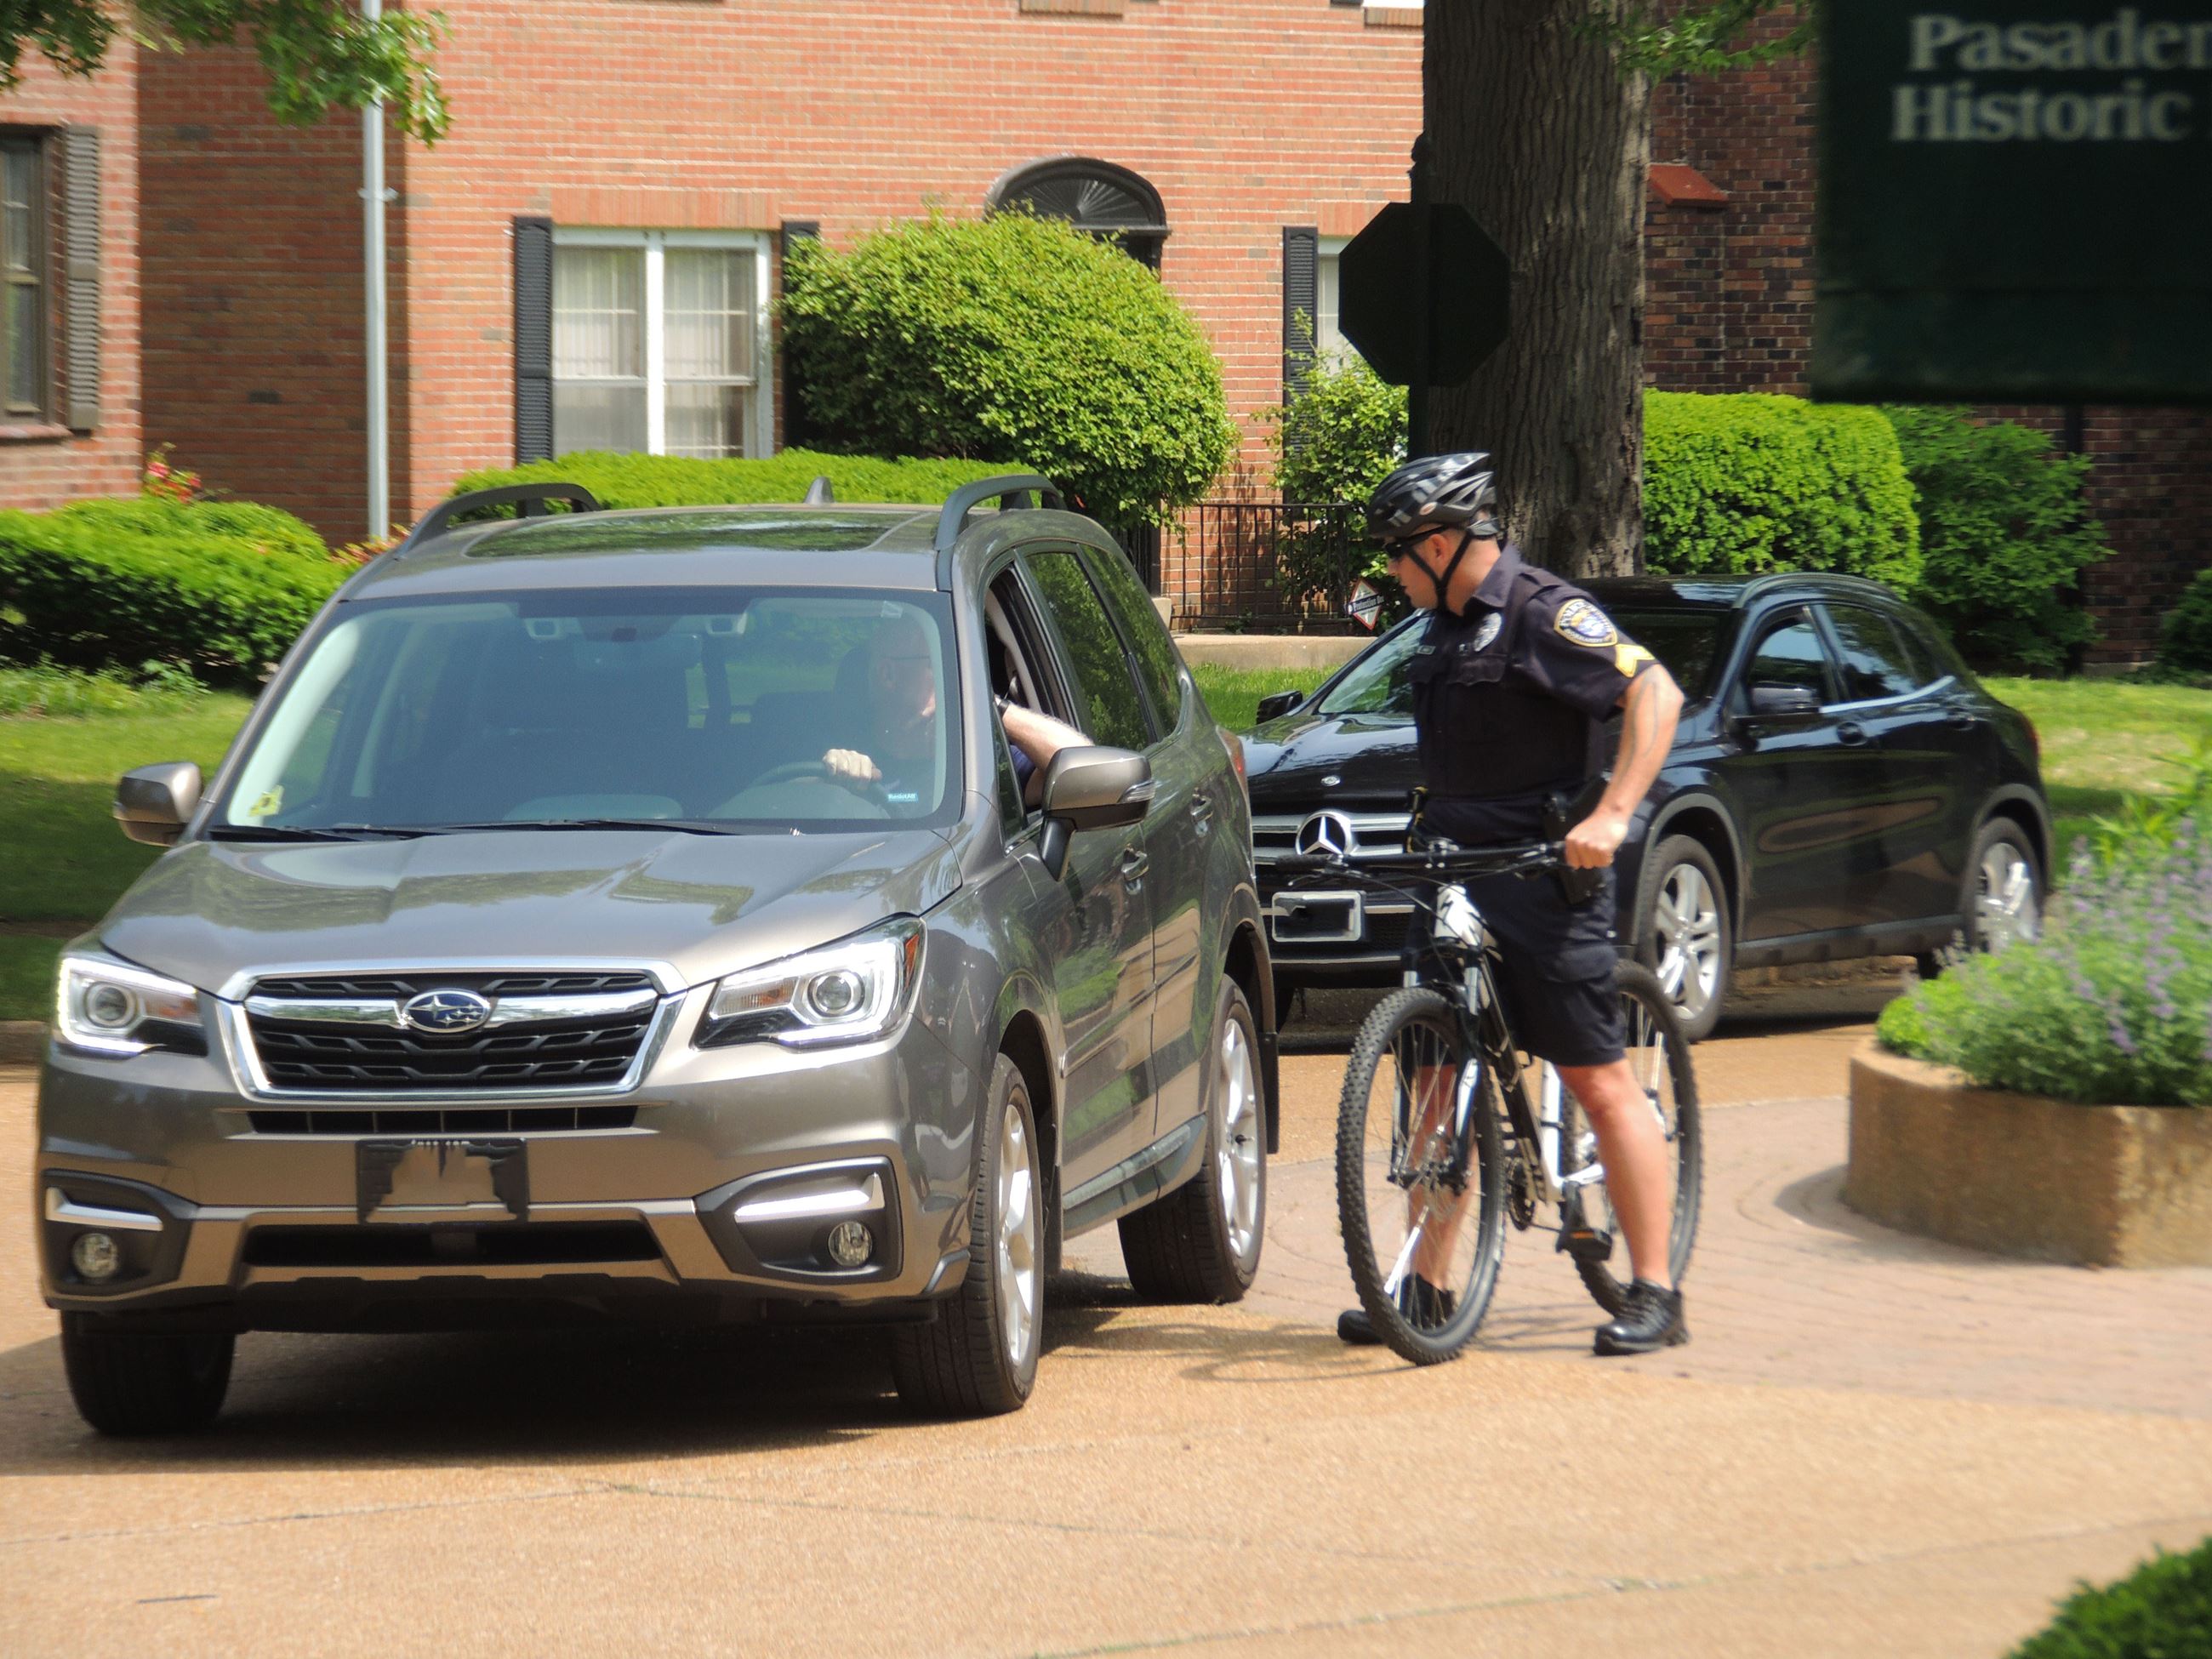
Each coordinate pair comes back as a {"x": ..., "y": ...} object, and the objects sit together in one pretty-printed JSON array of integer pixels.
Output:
[
  {"x": 154, "y": 803},
  {"x": 1092, "y": 788},
  {"x": 1276, "y": 703},
  {"x": 1773, "y": 701}
]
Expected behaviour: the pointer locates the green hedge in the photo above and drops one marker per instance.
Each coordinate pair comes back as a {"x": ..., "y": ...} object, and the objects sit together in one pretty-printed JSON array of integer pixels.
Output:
[
  {"x": 625, "y": 481},
  {"x": 223, "y": 586},
  {"x": 1738, "y": 483},
  {"x": 1005, "y": 338},
  {"x": 2162, "y": 1610},
  {"x": 2185, "y": 644}
]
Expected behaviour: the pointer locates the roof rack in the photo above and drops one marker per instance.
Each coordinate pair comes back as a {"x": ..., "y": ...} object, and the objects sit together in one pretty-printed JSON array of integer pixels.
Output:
[
  {"x": 1005, "y": 490},
  {"x": 527, "y": 498}
]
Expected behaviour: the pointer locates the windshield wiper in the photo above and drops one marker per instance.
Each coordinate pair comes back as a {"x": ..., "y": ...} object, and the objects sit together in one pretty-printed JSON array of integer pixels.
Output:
[
  {"x": 687, "y": 826},
  {"x": 322, "y": 832}
]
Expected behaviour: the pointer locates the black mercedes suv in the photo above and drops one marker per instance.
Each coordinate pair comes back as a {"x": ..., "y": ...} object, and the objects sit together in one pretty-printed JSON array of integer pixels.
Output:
[{"x": 1840, "y": 786}]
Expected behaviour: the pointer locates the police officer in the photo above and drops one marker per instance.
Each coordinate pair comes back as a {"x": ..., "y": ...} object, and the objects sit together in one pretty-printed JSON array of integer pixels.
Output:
[{"x": 1511, "y": 681}]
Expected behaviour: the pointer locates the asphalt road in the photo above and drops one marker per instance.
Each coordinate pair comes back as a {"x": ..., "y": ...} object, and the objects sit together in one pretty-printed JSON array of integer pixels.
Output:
[{"x": 1873, "y": 1446}]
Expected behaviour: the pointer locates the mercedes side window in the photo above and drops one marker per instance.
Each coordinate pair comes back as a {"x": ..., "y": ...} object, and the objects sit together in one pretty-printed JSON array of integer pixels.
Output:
[
  {"x": 1110, "y": 710},
  {"x": 1788, "y": 657},
  {"x": 1874, "y": 664}
]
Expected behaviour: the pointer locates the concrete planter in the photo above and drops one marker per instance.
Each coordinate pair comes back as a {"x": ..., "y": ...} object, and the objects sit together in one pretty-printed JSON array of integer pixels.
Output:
[{"x": 2020, "y": 1176}]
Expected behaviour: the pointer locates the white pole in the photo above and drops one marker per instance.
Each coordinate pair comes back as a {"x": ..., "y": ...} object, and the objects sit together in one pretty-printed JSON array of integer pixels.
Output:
[{"x": 379, "y": 437}]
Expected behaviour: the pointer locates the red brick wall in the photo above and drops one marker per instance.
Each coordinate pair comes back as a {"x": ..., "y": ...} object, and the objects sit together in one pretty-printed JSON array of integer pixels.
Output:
[
  {"x": 46, "y": 465},
  {"x": 1728, "y": 308},
  {"x": 1245, "y": 115}
]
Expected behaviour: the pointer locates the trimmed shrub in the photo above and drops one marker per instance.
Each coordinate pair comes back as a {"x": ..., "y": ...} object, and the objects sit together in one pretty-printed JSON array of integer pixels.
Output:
[
  {"x": 2162, "y": 1610},
  {"x": 107, "y": 584},
  {"x": 2003, "y": 537},
  {"x": 1738, "y": 483},
  {"x": 1011, "y": 338},
  {"x": 1340, "y": 436},
  {"x": 2185, "y": 646},
  {"x": 627, "y": 480}
]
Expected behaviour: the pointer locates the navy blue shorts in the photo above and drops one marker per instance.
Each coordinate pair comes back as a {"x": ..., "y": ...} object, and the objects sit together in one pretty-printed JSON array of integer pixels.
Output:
[{"x": 1558, "y": 973}]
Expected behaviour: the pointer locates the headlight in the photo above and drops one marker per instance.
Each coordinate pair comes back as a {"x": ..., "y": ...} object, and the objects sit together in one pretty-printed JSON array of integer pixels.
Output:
[
  {"x": 113, "y": 1009},
  {"x": 850, "y": 992}
]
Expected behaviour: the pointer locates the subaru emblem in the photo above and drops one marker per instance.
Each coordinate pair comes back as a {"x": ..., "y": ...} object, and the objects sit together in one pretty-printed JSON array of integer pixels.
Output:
[{"x": 446, "y": 1013}]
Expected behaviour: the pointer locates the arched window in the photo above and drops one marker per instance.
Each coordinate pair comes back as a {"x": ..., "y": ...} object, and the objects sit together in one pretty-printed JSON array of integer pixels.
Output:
[{"x": 1097, "y": 197}]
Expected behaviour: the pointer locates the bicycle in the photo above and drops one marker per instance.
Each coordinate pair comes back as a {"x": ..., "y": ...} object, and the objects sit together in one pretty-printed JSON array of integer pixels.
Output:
[{"x": 1443, "y": 1114}]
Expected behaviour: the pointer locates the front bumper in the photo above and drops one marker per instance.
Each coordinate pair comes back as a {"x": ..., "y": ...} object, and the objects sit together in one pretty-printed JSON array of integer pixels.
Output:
[{"x": 717, "y": 1200}]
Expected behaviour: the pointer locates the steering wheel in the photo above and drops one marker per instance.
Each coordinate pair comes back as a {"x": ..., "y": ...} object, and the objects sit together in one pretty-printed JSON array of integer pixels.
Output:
[{"x": 792, "y": 771}]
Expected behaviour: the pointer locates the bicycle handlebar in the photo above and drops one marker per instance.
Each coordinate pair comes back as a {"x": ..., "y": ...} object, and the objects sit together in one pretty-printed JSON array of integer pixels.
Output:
[{"x": 1441, "y": 863}]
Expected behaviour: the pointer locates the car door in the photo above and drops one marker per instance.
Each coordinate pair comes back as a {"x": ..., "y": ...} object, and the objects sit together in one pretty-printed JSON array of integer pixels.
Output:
[
  {"x": 1102, "y": 969},
  {"x": 1804, "y": 780},
  {"x": 1928, "y": 783},
  {"x": 1190, "y": 812}
]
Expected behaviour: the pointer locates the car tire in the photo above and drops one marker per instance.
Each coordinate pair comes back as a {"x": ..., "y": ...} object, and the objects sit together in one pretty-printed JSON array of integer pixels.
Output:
[
  {"x": 1202, "y": 1241},
  {"x": 135, "y": 1383},
  {"x": 2003, "y": 901},
  {"x": 1685, "y": 935},
  {"x": 978, "y": 1358}
]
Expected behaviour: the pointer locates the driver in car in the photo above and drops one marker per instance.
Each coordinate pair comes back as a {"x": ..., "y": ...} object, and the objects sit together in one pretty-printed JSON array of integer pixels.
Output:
[{"x": 902, "y": 694}]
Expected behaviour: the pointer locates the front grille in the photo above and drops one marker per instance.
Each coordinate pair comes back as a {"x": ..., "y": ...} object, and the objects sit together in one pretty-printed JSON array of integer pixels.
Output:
[
  {"x": 502, "y": 1244},
  {"x": 299, "y": 1053},
  {"x": 451, "y": 1121}
]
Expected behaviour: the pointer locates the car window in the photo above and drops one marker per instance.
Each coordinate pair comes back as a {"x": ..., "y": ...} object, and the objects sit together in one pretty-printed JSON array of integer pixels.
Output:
[
  {"x": 656, "y": 703},
  {"x": 1685, "y": 641},
  {"x": 1158, "y": 665},
  {"x": 1377, "y": 682},
  {"x": 1111, "y": 711},
  {"x": 1791, "y": 655},
  {"x": 1874, "y": 665}
]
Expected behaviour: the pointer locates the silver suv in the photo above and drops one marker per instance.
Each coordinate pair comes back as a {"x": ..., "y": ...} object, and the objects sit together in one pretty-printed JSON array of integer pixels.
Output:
[{"x": 540, "y": 939}]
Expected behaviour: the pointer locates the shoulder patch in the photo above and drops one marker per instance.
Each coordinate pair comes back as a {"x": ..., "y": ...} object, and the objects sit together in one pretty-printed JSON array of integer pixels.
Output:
[
  {"x": 1585, "y": 624},
  {"x": 1488, "y": 631}
]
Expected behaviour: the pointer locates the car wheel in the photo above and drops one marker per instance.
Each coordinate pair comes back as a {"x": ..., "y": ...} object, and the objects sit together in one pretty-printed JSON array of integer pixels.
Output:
[
  {"x": 1202, "y": 1242},
  {"x": 979, "y": 1357},
  {"x": 132, "y": 1382},
  {"x": 1686, "y": 937},
  {"x": 2002, "y": 901}
]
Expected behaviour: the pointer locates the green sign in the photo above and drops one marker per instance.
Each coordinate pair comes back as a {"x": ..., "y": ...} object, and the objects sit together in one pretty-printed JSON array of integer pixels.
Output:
[{"x": 2015, "y": 203}]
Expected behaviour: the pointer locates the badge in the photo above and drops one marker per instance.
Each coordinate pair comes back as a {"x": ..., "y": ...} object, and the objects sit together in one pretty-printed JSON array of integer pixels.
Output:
[
  {"x": 1585, "y": 624},
  {"x": 1488, "y": 632}
]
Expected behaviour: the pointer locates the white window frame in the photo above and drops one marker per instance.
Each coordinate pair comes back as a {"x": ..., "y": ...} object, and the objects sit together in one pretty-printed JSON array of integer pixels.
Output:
[
  {"x": 656, "y": 244},
  {"x": 1330, "y": 347}
]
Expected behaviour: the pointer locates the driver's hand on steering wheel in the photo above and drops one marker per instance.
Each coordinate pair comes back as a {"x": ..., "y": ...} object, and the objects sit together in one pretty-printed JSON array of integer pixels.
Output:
[{"x": 851, "y": 763}]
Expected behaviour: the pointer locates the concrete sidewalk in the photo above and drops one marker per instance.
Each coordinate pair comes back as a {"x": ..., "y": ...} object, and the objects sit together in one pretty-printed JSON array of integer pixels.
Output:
[{"x": 1872, "y": 1447}]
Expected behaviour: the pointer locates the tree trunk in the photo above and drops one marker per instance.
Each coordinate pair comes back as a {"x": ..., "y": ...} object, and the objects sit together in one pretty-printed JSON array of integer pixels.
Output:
[{"x": 1540, "y": 135}]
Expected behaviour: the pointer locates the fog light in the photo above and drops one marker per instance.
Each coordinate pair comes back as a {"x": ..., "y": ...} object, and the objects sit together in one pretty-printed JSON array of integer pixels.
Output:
[
  {"x": 851, "y": 1244},
  {"x": 96, "y": 1255}
]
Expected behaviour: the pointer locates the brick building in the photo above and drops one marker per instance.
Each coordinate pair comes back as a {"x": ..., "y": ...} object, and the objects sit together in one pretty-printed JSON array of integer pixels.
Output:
[{"x": 68, "y": 284}]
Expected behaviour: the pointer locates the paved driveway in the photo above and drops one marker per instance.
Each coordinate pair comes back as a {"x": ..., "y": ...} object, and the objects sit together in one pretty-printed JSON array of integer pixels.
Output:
[{"x": 1873, "y": 1446}]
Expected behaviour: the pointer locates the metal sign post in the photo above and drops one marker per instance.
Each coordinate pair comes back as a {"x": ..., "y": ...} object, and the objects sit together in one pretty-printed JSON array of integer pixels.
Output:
[{"x": 372, "y": 197}]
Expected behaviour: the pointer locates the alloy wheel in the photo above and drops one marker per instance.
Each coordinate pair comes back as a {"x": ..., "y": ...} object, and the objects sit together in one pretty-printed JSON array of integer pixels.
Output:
[
  {"x": 2006, "y": 908},
  {"x": 1237, "y": 1157},
  {"x": 1017, "y": 1241},
  {"x": 1688, "y": 923}
]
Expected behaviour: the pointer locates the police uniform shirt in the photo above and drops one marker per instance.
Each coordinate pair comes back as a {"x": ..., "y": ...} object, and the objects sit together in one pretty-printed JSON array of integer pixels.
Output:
[{"x": 1510, "y": 699}]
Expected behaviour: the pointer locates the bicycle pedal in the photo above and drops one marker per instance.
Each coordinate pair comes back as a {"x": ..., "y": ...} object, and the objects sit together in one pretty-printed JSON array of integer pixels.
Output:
[{"x": 1591, "y": 1244}]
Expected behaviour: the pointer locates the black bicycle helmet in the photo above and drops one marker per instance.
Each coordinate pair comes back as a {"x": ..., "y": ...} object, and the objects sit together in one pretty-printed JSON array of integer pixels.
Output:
[{"x": 1437, "y": 492}]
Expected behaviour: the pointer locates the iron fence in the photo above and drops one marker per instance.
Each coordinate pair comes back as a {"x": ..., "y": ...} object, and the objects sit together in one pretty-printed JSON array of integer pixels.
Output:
[{"x": 1264, "y": 567}]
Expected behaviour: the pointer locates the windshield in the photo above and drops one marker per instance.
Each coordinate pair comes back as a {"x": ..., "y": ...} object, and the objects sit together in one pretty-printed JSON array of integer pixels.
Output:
[
  {"x": 1684, "y": 642},
  {"x": 715, "y": 707}
]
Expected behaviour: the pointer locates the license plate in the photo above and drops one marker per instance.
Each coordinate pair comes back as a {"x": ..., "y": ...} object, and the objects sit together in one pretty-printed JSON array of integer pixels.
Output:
[
  {"x": 1319, "y": 918},
  {"x": 441, "y": 1174}
]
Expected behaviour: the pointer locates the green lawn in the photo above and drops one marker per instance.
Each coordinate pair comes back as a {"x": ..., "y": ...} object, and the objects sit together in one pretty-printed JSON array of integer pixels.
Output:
[
  {"x": 2102, "y": 738},
  {"x": 1233, "y": 694}
]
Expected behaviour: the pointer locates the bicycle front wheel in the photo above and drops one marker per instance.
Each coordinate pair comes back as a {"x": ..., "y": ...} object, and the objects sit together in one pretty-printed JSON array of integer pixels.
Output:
[
  {"x": 1659, "y": 1055},
  {"x": 1419, "y": 1186}
]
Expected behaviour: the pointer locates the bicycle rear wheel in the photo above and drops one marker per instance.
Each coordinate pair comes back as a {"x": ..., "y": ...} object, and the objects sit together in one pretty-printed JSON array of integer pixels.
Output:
[
  {"x": 1420, "y": 1191},
  {"x": 1660, "y": 1056}
]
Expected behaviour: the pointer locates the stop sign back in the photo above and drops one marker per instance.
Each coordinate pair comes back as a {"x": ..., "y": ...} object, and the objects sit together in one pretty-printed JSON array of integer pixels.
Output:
[{"x": 1466, "y": 283}]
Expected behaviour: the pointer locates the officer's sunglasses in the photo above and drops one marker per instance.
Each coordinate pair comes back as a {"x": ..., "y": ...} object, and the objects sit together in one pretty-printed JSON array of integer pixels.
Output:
[{"x": 1402, "y": 547}]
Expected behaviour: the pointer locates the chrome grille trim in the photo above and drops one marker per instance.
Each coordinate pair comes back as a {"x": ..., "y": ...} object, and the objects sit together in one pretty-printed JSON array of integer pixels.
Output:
[{"x": 1375, "y": 835}]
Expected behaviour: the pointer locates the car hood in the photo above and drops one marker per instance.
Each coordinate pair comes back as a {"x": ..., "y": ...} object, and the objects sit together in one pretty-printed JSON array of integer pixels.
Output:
[
  {"x": 1290, "y": 762},
  {"x": 698, "y": 906}
]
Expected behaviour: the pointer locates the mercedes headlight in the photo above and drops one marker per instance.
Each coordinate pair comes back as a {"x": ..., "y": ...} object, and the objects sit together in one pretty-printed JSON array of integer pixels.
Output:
[
  {"x": 853, "y": 990},
  {"x": 110, "y": 1008}
]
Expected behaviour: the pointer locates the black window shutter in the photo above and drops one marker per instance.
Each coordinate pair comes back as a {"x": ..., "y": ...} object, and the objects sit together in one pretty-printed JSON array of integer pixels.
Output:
[
  {"x": 533, "y": 340},
  {"x": 1300, "y": 303},
  {"x": 795, "y": 432},
  {"x": 79, "y": 197}
]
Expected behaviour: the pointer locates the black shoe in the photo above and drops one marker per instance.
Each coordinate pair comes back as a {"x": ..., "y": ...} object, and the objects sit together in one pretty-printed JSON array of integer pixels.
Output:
[
  {"x": 1425, "y": 1306},
  {"x": 1651, "y": 1321}
]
